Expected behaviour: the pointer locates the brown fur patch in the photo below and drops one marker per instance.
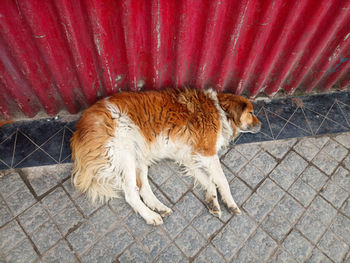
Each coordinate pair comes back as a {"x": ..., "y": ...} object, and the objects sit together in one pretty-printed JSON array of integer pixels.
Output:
[
  {"x": 93, "y": 130},
  {"x": 186, "y": 115}
]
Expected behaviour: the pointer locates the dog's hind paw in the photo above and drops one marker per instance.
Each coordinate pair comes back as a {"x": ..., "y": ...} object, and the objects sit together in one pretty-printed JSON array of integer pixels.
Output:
[{"x": 155, "y": 219}]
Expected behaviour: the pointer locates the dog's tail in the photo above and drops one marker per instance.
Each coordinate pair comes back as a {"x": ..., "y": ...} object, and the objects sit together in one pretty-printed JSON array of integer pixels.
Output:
[{"x": 90, "y": 158}]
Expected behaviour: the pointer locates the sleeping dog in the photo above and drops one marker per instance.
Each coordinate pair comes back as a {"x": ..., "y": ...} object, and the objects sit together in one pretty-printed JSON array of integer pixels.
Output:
[{"x": 119, "y": 137}]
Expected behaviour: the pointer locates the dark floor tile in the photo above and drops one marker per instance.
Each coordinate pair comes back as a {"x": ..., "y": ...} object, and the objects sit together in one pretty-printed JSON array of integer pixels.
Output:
[
  {"x": 249, "y": 137},
  {"x": 24, "y": 147},
  {"x": 282, "y": 107},
  {"x": 40, "y": 131},
  {"x": 3, "y": 136},
  {"x": 329, "y": 126},
  {"x": 7, "y": 130},
  {"x": 314, "y": 119},
  {"x": 71, "y": 125},
  {"x": 257, "y": 106},
  {"x": 319, "y": 103},
  {"x": 53, "y": 145},
  {"x": 68, "y": 159},
  {"x": 292, "y": 131},
  {"x": 37, "y": 158},
  {"x": 276, "y": 123},
  {"x": 299, "y": 120},
  {"x": 345, "y": 109},
  {"x": 335, "y": 114},
  {"x": 7, "y": 148},
  {"x": 3, "y": 166},
  {"x": 265, "y": 126},
  {"x": 66, "y": 151},
  {"x": 343, "y": 97},
  {"x": 53, "y": 137}
]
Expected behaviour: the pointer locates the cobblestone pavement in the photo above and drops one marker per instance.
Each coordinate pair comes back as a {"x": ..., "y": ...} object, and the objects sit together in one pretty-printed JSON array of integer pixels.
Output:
[{"x": 294, "y": 197}]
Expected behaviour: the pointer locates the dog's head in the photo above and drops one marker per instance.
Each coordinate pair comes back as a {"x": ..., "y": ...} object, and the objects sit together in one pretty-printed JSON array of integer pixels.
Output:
[{"x": 239, "y": 111}]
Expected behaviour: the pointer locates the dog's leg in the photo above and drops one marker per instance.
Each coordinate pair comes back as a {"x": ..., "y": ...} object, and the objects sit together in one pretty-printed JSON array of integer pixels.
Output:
[
  {"x": 219, "y": 178},
  {"x": 147, "y": 195},
  {"x": 210, "y": 195},
  {"x": 132, "y": 195}
]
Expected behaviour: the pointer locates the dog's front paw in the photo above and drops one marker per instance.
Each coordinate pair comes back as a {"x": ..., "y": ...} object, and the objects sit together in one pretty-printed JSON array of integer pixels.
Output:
[
  {"x": 216, "y": 213},
  {"x": 234, "y": 210},
  {"x": 165, "y": 211},
  {"x": 154, "y": 219}
]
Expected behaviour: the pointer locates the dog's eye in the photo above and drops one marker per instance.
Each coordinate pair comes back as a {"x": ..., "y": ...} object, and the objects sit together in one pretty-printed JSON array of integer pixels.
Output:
[{"x": 251, "y": 113}]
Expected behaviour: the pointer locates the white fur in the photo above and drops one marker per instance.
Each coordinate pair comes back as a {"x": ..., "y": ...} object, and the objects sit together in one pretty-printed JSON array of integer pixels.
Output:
[{"x": 226, "y": 132}]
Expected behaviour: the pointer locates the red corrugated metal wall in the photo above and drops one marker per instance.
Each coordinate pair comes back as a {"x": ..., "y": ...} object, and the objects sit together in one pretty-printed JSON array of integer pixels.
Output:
[{"x": 66, "y": 54}]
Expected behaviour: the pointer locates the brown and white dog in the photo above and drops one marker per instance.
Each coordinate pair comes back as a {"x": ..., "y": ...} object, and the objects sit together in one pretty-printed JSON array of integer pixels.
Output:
[{"x": 120, "y": 136}]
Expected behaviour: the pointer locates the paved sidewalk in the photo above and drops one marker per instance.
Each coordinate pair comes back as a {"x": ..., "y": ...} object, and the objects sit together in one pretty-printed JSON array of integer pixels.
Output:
[{"x": 294, "y": 197}]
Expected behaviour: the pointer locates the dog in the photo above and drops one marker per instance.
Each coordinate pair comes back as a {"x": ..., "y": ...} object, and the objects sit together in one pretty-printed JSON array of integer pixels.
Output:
[{"x": 119, "y": 137}]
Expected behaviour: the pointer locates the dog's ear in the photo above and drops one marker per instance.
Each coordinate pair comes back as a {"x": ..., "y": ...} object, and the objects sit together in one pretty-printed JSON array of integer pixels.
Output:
[
  {"x": 233, "y": 106},
  {"x": 244, "y": 106},
  {"x": 236, "y": 110}
]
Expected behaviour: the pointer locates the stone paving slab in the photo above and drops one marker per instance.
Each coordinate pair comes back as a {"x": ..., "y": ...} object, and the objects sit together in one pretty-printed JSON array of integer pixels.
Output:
[{"x": 294, "y": 195}]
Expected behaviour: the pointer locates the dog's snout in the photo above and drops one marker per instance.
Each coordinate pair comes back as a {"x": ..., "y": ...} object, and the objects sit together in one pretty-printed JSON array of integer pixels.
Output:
[{"x": 257, "y": 127}]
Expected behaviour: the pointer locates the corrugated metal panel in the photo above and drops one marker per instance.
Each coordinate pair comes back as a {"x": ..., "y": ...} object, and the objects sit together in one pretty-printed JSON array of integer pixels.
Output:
[{"x": 66, "y": 54}]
